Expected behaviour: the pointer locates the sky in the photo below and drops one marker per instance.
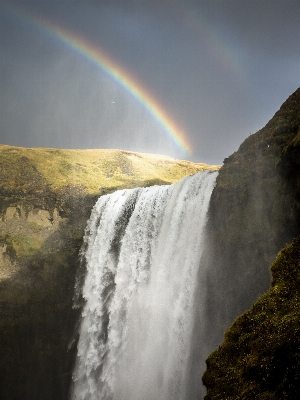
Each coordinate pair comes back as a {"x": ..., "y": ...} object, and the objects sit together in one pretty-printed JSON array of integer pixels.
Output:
[{"x": 188, "y": 79}]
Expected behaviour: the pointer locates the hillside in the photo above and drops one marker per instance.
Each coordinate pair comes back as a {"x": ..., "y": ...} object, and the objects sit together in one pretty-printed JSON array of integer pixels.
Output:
[
  {"x": 24, "y": 170},
  {"x": 46, "y": 196}
]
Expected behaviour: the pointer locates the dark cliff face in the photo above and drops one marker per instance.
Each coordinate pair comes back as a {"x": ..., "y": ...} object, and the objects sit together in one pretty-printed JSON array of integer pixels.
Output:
[{"x": 255, "y": 211}]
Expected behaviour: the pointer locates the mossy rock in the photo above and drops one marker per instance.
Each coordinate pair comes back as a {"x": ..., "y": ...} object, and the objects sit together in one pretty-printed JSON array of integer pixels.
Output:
[{"x": 260, "y": 355}]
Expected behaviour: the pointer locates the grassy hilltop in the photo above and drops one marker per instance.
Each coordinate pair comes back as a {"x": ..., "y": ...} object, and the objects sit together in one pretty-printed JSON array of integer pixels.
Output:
[{"x": 23, "y": 169}]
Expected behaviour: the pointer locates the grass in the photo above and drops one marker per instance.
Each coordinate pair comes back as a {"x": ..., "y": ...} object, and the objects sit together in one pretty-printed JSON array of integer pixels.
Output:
[
  {"x": 23, "y": 246},
  {"x": 90, "y": 169}
]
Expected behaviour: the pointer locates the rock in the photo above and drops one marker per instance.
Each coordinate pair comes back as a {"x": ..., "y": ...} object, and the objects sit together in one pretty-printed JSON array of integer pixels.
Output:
[
  {"x": 11, "y": 212},
  {"x": 8, "y": 267},
  {"x": 40, "y": 217}
]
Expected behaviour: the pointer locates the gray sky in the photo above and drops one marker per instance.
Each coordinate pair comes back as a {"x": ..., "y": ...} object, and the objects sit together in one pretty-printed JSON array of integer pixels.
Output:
[{"x": 218, "y": 69}]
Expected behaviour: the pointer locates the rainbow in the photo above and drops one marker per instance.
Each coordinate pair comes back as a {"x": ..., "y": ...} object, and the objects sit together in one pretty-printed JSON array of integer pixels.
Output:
[{"x": 104, "y": 62}]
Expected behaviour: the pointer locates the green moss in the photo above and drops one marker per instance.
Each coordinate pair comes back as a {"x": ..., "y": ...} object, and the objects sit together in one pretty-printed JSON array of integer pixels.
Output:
[
  {"x": 23, "y": 246},
  {"x": 260, "y": 355}
]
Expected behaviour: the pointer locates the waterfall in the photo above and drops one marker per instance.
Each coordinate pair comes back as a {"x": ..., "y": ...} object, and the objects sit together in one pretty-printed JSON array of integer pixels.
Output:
[{"x": 142, "y": 252}]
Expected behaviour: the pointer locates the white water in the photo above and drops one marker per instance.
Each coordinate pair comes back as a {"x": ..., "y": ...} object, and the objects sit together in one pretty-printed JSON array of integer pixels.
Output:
[{"x": 142, "y": 251}]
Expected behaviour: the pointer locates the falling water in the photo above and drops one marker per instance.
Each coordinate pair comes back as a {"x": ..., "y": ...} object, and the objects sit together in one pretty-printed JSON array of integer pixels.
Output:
[{"x": 142, "y": 252}]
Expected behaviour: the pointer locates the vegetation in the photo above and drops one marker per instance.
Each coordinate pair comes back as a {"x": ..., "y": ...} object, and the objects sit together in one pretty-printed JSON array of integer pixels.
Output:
[
  {"x": 92, "y": 170},
  {"x": 21, "y": 246},
  {"x": 260, "y": 356}
]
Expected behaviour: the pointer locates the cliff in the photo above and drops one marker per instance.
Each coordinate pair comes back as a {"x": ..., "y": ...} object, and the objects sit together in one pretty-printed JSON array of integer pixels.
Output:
[
  {"x": 255, "y": 211},
  {"x": 46, "y": 198},
  {"x": 260, "y": 355}
]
